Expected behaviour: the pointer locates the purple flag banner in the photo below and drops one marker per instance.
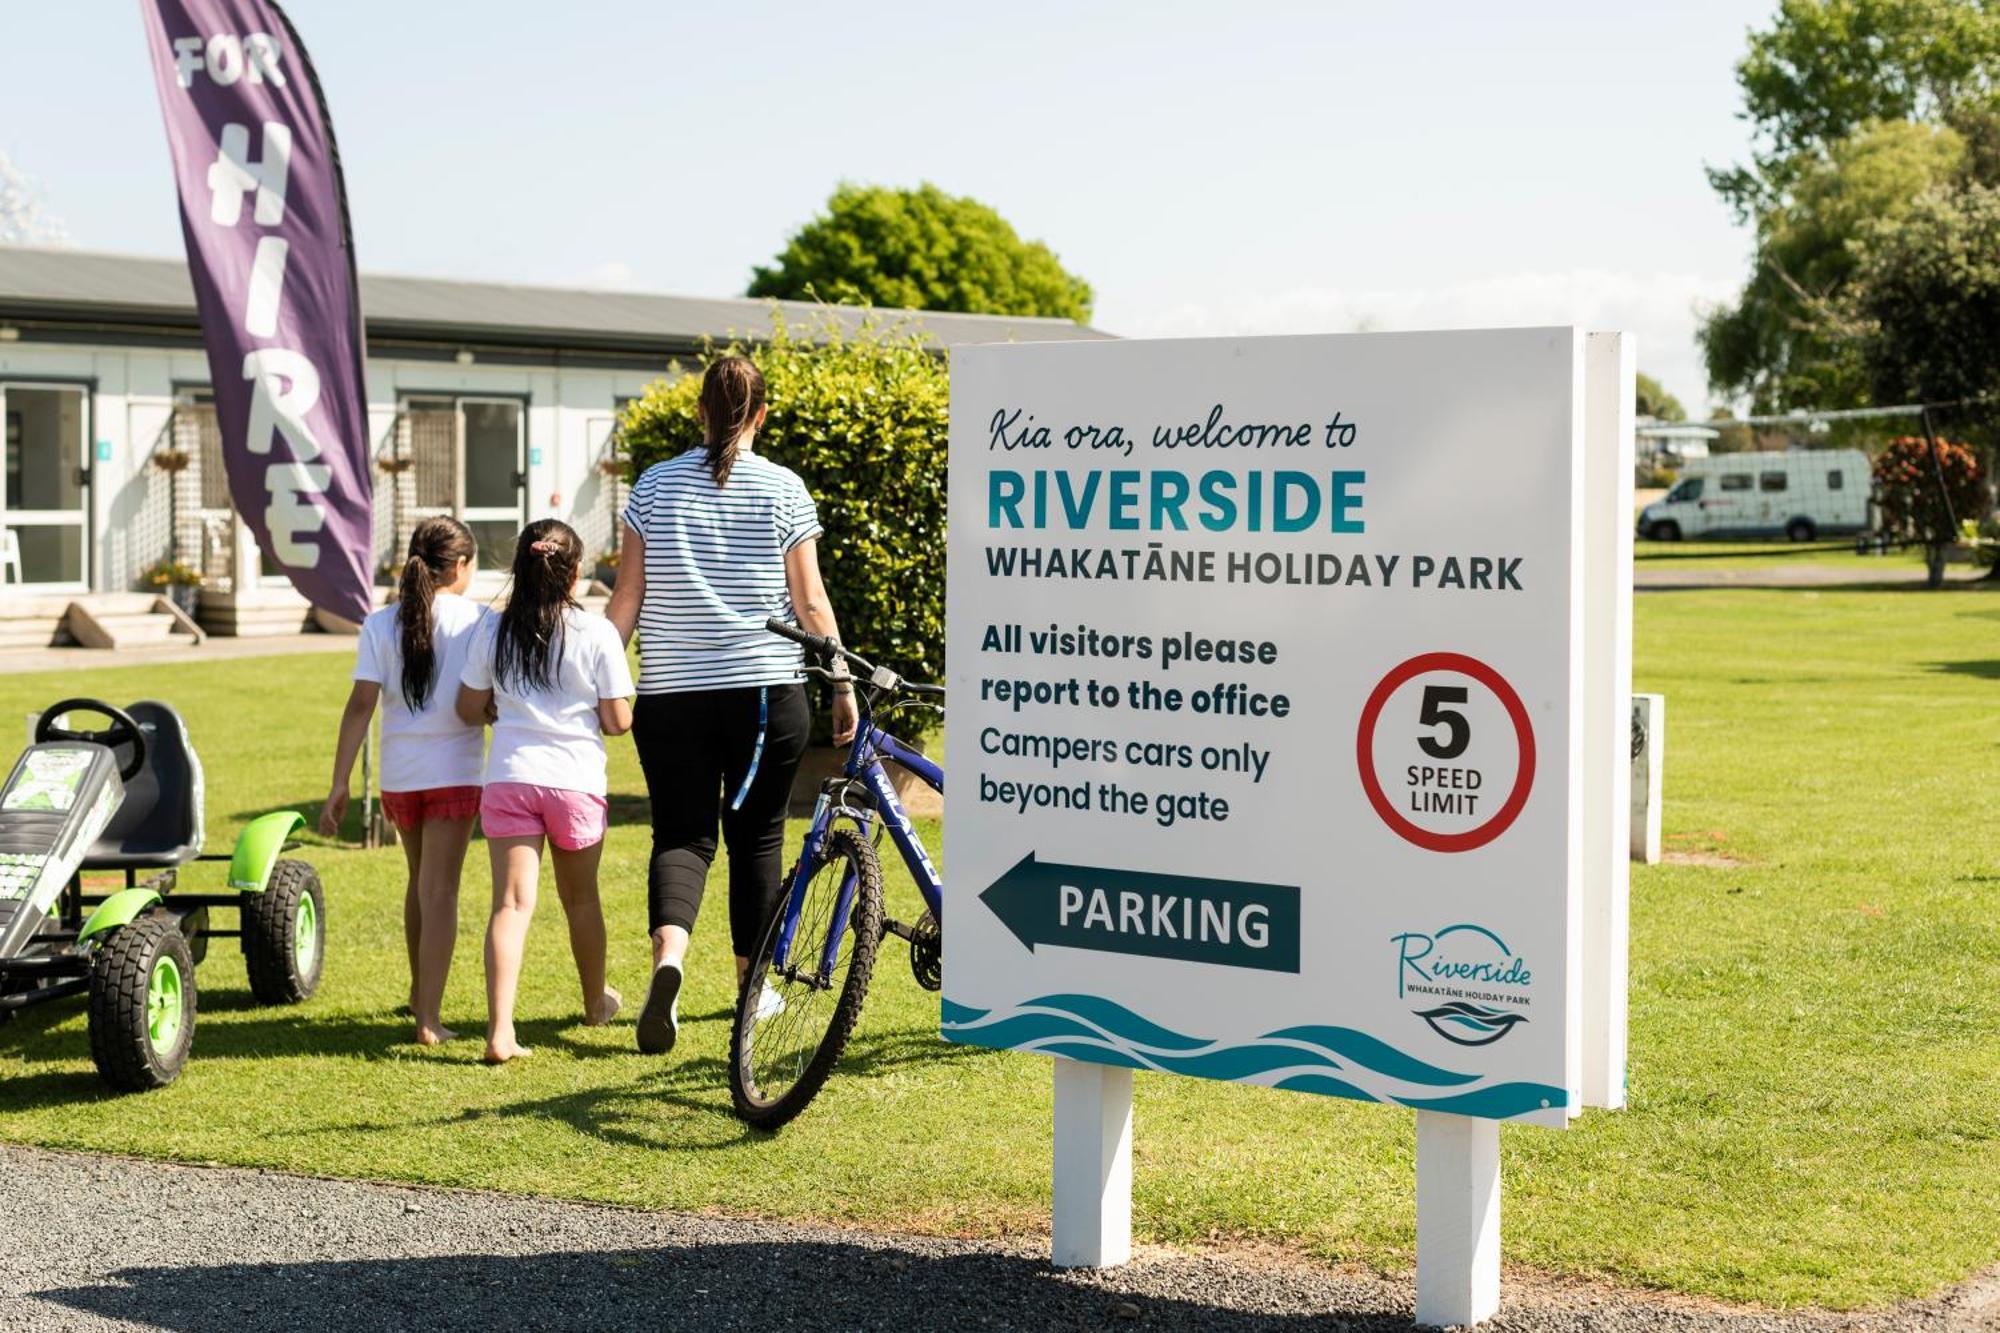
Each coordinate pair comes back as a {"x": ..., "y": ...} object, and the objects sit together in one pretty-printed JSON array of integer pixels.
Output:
[{"x": 264, "y": 212}]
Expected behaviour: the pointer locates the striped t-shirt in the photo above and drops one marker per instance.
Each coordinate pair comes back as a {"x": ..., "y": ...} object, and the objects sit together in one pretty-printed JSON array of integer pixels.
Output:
[{"x": 715, "y": 571}]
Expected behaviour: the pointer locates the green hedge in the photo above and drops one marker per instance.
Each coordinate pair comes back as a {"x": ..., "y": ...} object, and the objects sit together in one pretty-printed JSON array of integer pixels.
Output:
[{"x": 860, "y": 415}]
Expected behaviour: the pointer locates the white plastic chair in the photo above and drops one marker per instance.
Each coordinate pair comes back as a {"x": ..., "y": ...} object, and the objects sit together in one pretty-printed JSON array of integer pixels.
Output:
[{"x": 10, "y": 556}]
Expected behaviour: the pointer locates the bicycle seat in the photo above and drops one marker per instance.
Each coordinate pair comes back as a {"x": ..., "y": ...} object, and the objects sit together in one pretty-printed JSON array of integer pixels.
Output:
[{"x": 159, "y": 823}]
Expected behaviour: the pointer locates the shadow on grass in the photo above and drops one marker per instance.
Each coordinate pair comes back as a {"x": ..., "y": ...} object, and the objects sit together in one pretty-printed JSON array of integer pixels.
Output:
[
  {"x": 1978, "y": 668},
  {"x": 743, "y": 1278},
  {"x": 1736, "y": 552},
  {"x": 697, "y": 1091}
]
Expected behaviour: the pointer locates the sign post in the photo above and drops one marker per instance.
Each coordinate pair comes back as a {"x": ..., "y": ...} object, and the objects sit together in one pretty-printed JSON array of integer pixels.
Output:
[
  {"x": 1091, "y": 1221},
  {"x": 1273, "y": 696}
]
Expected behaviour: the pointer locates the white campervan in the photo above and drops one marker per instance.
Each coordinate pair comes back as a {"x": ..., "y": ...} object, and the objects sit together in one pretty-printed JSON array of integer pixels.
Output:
[{"x": 1801, "y": 493}]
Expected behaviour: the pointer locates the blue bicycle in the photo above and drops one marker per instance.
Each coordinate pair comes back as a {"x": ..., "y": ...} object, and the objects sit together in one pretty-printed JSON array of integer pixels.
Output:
[{"x": 802, "y": 996}]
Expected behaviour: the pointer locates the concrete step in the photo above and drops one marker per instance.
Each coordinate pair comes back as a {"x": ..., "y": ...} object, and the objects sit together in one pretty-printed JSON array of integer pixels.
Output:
[
  {"x": 117, "y": 603},
  {"x": 129, "y": 630},
  {"x": 45, "y": 636},
  {"x": 124, "y": 620},
  {"x": 16, "y": 604}
]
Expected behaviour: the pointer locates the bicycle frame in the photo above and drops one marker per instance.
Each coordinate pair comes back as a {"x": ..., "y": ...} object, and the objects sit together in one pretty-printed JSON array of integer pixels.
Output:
[{"x": 871, "y": 745}]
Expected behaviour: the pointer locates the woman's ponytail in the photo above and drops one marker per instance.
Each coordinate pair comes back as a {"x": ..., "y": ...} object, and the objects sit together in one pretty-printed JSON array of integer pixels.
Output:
[
  {"x": 437, "y": 548},
  {"x": 732, "y": 394}
]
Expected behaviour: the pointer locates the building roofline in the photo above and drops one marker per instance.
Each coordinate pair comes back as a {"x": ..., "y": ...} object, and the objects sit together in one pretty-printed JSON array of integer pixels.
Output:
[{"x": 70, "y": 287}]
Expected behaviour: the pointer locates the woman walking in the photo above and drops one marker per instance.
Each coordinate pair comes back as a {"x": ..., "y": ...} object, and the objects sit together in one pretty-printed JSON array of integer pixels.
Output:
[{"x": 717, "y": 541}]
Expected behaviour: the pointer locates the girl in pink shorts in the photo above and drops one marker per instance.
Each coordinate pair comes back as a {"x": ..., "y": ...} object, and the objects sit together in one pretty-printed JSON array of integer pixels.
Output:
[
  {"x": 409, "y": 660},
  {"x": 556, "y": 682}
]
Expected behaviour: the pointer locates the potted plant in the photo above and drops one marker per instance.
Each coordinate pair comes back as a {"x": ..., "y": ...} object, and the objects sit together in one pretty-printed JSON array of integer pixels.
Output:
[
  {"x": 179, "y": 583},
  {"x": 607, "y": 567},
  {"x": 171, "y": 461}
]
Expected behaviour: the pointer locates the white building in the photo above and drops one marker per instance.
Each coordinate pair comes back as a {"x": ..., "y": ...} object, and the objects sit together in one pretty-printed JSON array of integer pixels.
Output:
[
  {"x": 1670, "y": 443},
  {"x": 489, "y": 401}
]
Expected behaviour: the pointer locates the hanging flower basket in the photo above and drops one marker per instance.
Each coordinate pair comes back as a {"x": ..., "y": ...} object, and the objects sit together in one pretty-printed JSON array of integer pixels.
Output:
[
  {"x": 611, "y": 467},
  {"x": 172, "y": 460},
  {"x": 395, "y": 465}
]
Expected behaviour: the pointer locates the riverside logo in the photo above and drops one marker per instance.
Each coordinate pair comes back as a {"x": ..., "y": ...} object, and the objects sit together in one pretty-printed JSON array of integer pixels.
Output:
[{"x": 1472, "y": 985}]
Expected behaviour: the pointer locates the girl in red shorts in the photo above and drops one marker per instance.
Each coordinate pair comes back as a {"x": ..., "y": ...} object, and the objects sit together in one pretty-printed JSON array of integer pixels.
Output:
[
  {"x": 555, "y": 681},
  {"x": 431, "y": 760}
]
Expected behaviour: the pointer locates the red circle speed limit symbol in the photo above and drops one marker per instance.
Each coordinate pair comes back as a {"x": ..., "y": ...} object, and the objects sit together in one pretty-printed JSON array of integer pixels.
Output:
[{"x": 1450, "y": 737}]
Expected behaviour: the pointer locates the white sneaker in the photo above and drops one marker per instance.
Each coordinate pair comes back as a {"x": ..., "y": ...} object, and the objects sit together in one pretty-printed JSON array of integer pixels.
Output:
[{"x": 769, "y": 1004}]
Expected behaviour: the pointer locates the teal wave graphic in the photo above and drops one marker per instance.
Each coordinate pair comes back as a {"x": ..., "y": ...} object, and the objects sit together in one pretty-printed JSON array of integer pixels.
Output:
[
  {"x": 1119, "y": 1021},
  {"x": 1301, "y": 1059},
  {"x": 955, "y": 1014},
  {"x": 1373, "y": 1053}
]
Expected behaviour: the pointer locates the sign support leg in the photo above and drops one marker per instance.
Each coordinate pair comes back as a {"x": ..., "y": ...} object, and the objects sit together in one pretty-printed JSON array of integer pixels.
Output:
[
  {"x": 1092, "y": 1222},
  {"x": 1458, "y": 1219}
]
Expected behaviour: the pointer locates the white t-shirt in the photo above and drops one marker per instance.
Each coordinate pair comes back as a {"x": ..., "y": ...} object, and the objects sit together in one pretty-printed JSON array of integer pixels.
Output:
[
  {"x": 551, "y": 738},
  {"x": 427, "y": 747}
]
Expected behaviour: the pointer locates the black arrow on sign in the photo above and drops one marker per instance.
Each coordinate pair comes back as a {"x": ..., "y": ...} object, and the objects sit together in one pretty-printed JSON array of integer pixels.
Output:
[{"x": 1221, "y": 921}]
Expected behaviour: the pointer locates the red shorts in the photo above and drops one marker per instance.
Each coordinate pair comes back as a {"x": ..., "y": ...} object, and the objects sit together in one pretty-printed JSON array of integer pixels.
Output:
[
  {"x": 572, "y": 820},
  {"x": 407, "y": 809}
]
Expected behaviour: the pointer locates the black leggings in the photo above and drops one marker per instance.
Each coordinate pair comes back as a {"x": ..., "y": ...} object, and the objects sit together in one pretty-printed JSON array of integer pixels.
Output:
[{"x": 695, "y": 747}]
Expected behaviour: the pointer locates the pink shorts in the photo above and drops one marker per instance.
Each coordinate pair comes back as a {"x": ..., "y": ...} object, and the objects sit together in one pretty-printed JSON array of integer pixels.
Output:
[
  {"x": 572, "y": 820},
  {"x": 407, "y": 809}
]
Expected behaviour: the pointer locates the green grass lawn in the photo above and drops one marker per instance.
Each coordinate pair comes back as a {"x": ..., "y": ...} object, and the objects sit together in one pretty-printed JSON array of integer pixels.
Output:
[{"x": 1815, "y": 1072}]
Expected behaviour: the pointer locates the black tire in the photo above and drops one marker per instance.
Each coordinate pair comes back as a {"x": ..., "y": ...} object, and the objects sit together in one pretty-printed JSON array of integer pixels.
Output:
[
  {"x": 778, "y": 1064},
  {"x": 132, "y": 1052},
  {"x": 1665, "y": 530},
  {"x": 284, "y": 953},
  {"x": 1801, "y": 530}
]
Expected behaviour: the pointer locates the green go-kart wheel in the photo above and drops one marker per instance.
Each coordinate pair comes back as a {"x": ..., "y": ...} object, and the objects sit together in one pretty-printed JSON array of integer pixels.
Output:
[
  {"x": 284, "y": 934},
  {"x": 142, "y": 1005}
]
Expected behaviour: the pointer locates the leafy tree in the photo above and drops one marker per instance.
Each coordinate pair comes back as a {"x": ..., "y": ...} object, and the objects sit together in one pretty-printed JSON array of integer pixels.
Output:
[
  {"x": 1826, "y": 68},
  {"x": 1929, "y": 287},
  {"x": 860, "y": 414},
  {"x": 921, "y": 249},
  {"x": 1913, "y": 507},
  {"x": 1788, "y": 341},
  {"x": 1734, "y": 437},
  {"x": 22, "y": 221},
  {"x": 1655, "y": 402}
]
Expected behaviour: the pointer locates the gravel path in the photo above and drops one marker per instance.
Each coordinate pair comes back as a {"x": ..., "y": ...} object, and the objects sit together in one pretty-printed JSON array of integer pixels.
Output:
[{"x": 101, "y": 1243}]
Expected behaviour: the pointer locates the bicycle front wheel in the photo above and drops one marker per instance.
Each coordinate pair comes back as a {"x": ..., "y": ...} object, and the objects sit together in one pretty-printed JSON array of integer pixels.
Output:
[{"x": 793, "y": 1017}]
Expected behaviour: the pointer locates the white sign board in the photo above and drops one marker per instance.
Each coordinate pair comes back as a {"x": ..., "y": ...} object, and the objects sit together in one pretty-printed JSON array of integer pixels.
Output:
[{"x": 1264, "y": 659}]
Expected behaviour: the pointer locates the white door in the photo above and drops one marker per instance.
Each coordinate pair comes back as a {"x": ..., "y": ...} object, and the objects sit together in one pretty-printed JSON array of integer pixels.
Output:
[
  {"x": 492, "y": 475},
  {"x": 45, "y": 485}
]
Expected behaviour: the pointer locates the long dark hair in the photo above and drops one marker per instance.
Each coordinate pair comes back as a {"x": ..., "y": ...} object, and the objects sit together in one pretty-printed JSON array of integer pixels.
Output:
[
  {"x": 529, "y": 646},
  {"x": 436, "y": 549},
  {"x": 732, "y": 394}
]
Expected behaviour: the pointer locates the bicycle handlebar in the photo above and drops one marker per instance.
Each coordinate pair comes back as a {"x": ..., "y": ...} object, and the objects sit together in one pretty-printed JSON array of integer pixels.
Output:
[{"x": 829, "y": 648}]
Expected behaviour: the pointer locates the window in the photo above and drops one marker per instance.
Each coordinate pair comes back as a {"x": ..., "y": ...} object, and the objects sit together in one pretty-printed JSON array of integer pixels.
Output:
[
  {"x": 1836, "y": 481},
  {"x": 1686, "y": 493},
  {"x": 1770, "y": 481},
  {"x": 1736, "y": 481}
]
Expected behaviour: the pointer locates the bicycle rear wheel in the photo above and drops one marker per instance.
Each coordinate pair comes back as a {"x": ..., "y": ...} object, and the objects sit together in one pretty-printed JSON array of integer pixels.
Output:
[{"x": 792, "y": 1022}]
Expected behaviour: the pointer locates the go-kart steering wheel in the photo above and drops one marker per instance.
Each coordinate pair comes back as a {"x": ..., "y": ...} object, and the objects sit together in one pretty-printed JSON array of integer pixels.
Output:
[{"x": 122, "y": 731}]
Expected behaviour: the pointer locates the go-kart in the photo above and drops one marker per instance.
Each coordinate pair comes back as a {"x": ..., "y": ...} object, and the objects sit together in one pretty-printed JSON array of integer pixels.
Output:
[{"x": 128, "y": 799}]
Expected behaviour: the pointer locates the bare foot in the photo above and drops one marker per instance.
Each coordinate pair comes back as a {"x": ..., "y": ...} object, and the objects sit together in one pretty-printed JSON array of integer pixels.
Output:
[
  {"x": 434, "y": 1034},
  {"x": 505, "y": 1049},
  {"x": 607, "y": 1009}
]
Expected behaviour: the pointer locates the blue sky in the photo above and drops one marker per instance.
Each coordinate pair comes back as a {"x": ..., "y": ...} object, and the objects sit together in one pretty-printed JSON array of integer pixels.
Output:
[{"x": 1208, "y": 168}]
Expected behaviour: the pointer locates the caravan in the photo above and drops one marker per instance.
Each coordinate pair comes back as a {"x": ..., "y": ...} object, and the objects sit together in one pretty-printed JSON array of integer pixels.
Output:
[{"x": 1801, "y": 493}]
